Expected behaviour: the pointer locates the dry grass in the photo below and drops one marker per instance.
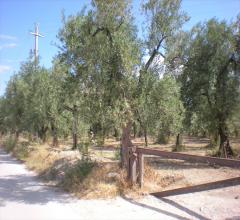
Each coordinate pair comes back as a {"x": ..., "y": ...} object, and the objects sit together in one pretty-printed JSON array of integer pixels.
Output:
[
  {"x": 40, "y": 159},
  {"x": 101, "y": 176},
  {"x": 36, "y": 156},
  {"x": 99, "y": 183}
]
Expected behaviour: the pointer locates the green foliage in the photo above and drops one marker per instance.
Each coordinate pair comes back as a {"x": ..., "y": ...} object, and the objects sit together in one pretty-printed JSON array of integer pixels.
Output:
[
  {"x": 165, "y": 19},
  {"x": 161, "y": 109},
  {"x": 210, "y": 81},
  {"x": 10, "y": 143},
  {"x": 77, "y": 173}
]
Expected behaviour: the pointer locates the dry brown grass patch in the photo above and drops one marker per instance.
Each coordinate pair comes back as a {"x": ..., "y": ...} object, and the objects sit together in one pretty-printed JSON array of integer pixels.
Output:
[{"x": 155, "y": 180}]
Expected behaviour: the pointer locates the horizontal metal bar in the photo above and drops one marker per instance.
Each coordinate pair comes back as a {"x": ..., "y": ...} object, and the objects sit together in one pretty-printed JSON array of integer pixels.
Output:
[
  {"x": 201, "y": 187},
  {"x": 190, "y": 157}
]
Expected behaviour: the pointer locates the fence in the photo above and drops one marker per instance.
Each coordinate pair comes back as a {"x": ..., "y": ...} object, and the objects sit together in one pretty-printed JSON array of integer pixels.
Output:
[{"x": 136, "y": 161}]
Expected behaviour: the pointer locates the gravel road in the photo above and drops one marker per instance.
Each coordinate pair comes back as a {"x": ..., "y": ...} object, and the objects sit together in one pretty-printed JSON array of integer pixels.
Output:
[{"x": 23, "y": 196}]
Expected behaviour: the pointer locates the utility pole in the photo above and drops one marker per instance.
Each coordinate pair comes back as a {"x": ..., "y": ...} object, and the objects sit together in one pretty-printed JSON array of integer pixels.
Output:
[{"x": 36, "y": 34}]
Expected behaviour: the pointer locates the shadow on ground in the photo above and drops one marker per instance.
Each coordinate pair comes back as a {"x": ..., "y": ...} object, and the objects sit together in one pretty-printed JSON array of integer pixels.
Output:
[
  {"x": 171, "y": 214},
  {"x": 24, "y": 187}
]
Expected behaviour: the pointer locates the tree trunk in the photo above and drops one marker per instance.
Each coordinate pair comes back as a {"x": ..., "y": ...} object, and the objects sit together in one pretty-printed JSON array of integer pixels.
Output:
[
  {"x": 54, "y": 135},
  {"x": 214, "y": 139},
  {"x": 179, "y": 142},
  {"x": 225, "y": 149},
  {"x": 125, "y": 144},
  {"x": 17, "y": 134},
  {"x": 75, "y": 128},
  {"x": 145, "y": 136},
  {"x": 236, "y": 133},
  {"x": 139, "y": 132},
  {"x": 42, "y": 133},
  {"x": 134, "y": 130}
]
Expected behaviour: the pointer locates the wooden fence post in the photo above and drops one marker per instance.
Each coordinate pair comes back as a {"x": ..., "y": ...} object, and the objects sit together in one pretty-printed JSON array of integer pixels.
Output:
[
  {"x": 132, "y": 170},
  {"x": 140, "y": 169}
]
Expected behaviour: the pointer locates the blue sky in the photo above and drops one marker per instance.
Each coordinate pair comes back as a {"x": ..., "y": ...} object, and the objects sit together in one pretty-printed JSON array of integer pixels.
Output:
[{"x": 17, "y": 18}]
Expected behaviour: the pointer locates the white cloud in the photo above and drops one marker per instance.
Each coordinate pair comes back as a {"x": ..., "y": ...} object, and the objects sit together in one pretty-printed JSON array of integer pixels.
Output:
[
  {"x": 10, "y": 45},
  {"x": 7, "y": 37},
  {"x": 10, "y": 60},
  {"x": 4, "y": 68}
]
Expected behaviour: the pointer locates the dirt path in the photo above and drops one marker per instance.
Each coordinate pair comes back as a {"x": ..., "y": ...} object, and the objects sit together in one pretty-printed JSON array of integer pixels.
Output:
[{"x": 24, "y": 196}]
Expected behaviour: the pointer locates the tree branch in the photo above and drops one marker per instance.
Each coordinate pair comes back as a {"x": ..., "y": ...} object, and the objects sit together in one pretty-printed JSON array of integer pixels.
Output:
[
  {"x": 104, "y": 29},
  {"x": 154, "y": 53},
  {"x": 208, "y": 99},
  {"x": 68, "y": 108},
  {"x": 97, "y": 31}
]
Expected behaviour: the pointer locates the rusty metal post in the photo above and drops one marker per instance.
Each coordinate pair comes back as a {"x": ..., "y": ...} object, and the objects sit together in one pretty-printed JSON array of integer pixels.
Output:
[{"x": 140, "y": 169}]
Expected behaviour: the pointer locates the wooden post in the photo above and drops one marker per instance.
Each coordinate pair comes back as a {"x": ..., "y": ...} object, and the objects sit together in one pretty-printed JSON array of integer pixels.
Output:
[
  {"x": 126, "y": 145},
  {"x": 140, "y": 169},
  {"x": 132, "y": 170}
]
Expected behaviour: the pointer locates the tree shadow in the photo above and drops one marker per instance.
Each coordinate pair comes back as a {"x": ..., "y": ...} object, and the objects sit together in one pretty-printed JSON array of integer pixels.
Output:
[
  {"x": 155, "y": 209},
  {"x": 23, "y": 189},
  {"x": 26, "y": 187},
  {"x": 6, "y": 158},
  {"x": 183, "y": 208},
  {"x": 199, "y": 188}
]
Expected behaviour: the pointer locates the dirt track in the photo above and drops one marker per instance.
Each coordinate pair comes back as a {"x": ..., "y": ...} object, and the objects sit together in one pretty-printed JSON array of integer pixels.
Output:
[{"x": 24, "y": 196}]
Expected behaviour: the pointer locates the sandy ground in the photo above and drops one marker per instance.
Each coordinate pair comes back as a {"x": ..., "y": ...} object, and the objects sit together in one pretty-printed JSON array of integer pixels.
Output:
[
  {"x": 24, "y": 196},
  {"x": 176, "y": 173}
]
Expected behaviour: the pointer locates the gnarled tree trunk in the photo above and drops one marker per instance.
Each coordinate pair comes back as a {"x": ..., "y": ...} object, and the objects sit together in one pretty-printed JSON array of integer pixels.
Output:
[{"x": 225, "y": 149}]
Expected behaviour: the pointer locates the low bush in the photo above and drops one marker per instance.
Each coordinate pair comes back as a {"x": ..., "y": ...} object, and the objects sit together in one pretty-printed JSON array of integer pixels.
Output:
[
  {"x": 22, "y": 150},
  {"x": 10, "y": 143},
  {"x": 77, "y": 173}
]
